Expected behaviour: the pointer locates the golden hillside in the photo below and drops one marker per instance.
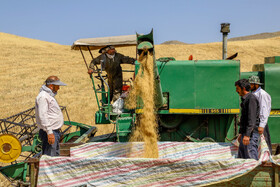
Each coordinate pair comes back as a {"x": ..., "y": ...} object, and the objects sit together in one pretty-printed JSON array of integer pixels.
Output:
[{"x": 26, "y": 63}]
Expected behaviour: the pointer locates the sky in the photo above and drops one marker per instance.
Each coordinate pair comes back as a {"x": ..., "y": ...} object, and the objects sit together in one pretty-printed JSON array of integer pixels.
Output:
[{"x": 189, "y": 21}]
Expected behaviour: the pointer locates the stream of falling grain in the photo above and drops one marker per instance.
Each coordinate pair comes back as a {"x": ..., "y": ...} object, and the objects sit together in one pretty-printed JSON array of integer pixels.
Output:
[{"x": 146, "y": 128}]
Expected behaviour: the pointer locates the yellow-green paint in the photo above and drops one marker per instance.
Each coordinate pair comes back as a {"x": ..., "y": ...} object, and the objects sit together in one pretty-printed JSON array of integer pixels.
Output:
[{"x": 198, "y": 111}]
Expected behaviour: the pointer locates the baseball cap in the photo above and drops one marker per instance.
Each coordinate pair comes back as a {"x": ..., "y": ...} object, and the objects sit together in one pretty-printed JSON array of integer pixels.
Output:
[{"x": 254, "y": 80}]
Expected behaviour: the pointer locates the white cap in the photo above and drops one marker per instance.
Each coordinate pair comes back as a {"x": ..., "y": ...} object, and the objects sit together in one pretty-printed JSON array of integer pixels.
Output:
[{"x": 55, "y": 82}]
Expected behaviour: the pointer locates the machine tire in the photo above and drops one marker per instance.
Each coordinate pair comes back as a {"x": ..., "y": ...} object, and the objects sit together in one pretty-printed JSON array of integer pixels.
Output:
[{"x": 170, "y": 121}]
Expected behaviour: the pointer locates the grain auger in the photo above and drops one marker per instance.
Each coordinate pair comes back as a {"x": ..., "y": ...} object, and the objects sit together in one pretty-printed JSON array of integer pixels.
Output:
[{"x": 145, "y": 47}]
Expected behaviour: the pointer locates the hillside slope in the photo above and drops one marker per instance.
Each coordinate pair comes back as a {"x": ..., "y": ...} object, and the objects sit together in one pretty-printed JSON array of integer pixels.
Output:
[
  {"x": 173, "y": 42},
  {"x": 257, "y": 36},
  {"x": 26, "y": 63}
]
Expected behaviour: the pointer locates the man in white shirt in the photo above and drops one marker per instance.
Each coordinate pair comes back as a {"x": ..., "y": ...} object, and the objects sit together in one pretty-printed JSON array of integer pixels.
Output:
[
  {"x": 49, "y": 117},
  {"x": 265, "y": 107}
]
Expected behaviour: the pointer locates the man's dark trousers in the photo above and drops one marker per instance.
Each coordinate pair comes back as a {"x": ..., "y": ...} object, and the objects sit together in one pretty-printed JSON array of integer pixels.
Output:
[
  {"x": 47, "y": 149},
  {"x": 251, "y": 150},
  {"x": 267, "y": 138}
]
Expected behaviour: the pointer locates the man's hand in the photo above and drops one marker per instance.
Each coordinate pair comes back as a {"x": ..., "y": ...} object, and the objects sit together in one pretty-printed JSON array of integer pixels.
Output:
[
  {"x": 90, "y": 71},
  {"x": 51, "y": 138},
  {"x": 239, "y": 138},
  {"x": 246, "y": 140},
  {"x": 260, "y": 129}
]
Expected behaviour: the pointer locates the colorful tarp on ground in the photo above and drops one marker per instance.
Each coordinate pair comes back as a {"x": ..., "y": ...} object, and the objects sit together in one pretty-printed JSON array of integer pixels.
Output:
[{"x": 120, "y": 164}]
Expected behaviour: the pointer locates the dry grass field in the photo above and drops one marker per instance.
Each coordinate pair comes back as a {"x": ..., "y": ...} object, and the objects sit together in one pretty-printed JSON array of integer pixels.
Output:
[{"x": 26, "y": 63}]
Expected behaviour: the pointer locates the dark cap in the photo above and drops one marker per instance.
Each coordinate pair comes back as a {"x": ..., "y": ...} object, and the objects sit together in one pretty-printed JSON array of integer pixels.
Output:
[{"x": 106, "y": 48}]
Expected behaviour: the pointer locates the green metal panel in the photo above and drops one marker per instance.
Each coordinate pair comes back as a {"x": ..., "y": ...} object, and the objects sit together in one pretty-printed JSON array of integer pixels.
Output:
[
  {"x": 123, "y": 128},
  {"x": 274, "y": 124},
  {"x": 246, "y": 75},
  {"x": 272, "y": 86},
  {"x": 214, "y": 84},
  {"x": 177, "y": 78},
  {"x": 100, "y": 118},
  {"x": 207, "y": 84},
  {"x": 16, "y": 171}
]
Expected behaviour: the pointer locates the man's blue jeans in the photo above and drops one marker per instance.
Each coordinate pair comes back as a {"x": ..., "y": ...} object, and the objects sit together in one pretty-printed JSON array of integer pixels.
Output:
[
  {"x": 251, "y": 150},
  {"x": 48, "y": 149}
]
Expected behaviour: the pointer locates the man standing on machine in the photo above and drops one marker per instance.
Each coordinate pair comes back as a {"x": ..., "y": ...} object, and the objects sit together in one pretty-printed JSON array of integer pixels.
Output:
[{"x": 110, "y": 61}]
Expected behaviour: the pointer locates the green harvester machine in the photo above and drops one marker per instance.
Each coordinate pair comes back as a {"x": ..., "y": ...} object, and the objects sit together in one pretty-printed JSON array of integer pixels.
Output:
[{"x": 195, "y": 99}]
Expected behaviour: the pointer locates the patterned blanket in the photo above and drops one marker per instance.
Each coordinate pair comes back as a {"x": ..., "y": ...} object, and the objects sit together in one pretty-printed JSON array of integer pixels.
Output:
[{"x": 120, "y": 164}]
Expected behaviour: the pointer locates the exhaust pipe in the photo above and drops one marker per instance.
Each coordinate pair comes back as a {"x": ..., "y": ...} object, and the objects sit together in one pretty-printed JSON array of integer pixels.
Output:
[{"x": 225, "y": 30}]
